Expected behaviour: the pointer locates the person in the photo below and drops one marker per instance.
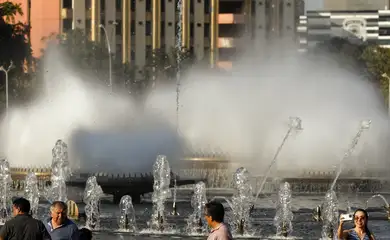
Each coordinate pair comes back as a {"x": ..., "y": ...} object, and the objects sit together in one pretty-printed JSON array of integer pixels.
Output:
[
  {"x": 23, "y": 226},
  {"x": 214, "y": 214},
  {"x": 59, "y": 226},
  {"x": 85, "y": 234},
  {"x": 360, "y": 231}
]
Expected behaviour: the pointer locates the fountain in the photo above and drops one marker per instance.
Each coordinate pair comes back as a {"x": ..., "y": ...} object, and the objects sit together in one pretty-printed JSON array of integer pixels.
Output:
[
  {"x": 294, "y": 124},
  {"x": 386, "y": 206},
  {"x": 317, "y": 213},
  {"x": 127, "y": 215},
  {"x": 174, "y": 206},
  {"x": 92, "y": 194},
  {"x": 364, "y": 125},
  {"x": 179, "y": 49},
  {"x": 5, "y": 191},
  {"x": 195, "y": 222},
  {"x": 60, "y": 172},
  {"x": 161, "y": 191},
  {"x": 330, "y": 215},
  {"x": 284, "y": 215},
  {"x": 242, "y": 202},
  {"x": 31, "y": 193}
]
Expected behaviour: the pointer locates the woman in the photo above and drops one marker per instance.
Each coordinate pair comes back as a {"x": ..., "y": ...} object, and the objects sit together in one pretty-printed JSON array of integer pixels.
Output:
[{"x": 360, "y": 231}]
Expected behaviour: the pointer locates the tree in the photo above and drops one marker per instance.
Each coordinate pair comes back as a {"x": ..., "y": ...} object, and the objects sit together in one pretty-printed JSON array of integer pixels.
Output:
[
  {"x": 370, "y": 61},
  {"x": 82, "y": 54},
  {"x": 160, "y": 68},
  {"x": 377, "y": 62},
  {"x": 15, "y": 47}
]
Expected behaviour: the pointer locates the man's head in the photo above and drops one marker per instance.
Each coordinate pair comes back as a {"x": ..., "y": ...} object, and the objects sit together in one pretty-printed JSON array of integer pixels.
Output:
[
  {"x": 214, "y": 212},
  {"x": 58, "y": 211},
  {"x": 20, "y": 206}
]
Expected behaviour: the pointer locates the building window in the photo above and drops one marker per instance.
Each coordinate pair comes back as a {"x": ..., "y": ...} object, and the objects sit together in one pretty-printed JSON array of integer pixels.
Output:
[
  {"x": 118, "y": 27},
  {"x": 118, "y": 5},
  {"x": 132, "y": 55},
  {"x": 206, "y": 30},
  {"x": 207, "y": 6},
  {"x": 132, "y": 5},
  {"x": 88, "y": 24},
  {"x": 132, "y": 28},
  {"x": 148, "y": 28},
  {"x": 191, "y": 30},
  {"x": 162, "y": 6},
  {"x": 67, "y": 4},
  {"x": 67, "y": 25},
  {"x": 149, "y": 6},
  {"x": 88, "y": 4},
  {"x": 162, "y": 29}
]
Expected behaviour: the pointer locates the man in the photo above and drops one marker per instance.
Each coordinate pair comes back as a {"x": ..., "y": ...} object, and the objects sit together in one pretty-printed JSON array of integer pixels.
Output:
[
  {"x": 23, "y": 226},
  {"x": 215, "y": 213},
  {"x": 59, "y": 226}
]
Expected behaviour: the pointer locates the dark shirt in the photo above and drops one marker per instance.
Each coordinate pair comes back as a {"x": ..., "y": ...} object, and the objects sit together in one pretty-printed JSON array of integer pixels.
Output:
[
  {"x": 24, "y": 227},
  {"x": 67, "y": 231}
]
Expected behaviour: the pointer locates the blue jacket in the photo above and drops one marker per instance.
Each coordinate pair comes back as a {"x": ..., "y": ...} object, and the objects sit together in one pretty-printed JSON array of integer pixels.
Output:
[{"x": 67, "y": 231}]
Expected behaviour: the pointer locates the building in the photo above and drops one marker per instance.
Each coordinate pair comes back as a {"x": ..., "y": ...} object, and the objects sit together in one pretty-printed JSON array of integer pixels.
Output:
[
  {"x": 211, "y": 29},
  {"x": 355, "y": 5},
  {"x": 44, "y": 17},
  {"x": 370, "y": 26}
]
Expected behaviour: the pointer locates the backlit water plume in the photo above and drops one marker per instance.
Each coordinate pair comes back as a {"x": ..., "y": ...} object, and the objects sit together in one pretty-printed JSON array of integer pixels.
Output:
[{"x": 244, "y": 113}]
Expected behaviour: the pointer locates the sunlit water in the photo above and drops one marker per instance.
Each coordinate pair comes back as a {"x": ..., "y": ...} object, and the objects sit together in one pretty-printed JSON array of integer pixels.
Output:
[{"x": 304, "y": 227}]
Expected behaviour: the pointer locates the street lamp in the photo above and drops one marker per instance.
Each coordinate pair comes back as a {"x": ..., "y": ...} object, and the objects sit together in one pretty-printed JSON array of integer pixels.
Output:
[
  {"x": 109, "y": 55},
  {"x": 6, "y": 82}
]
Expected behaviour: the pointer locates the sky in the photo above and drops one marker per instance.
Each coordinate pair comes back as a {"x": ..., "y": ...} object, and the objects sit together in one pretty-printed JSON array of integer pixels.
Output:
[{"x": 314, "y": 4}]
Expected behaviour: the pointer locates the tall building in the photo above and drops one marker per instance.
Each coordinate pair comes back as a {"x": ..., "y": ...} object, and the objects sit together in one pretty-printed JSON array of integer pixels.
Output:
[
  {"x": 44, "y": 17},
  {"x": 211, "y": 29},
  {"x": 355, "y": 5}
]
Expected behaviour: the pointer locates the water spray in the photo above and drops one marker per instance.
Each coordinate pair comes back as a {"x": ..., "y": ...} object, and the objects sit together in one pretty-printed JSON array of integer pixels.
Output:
[
  {"x": 294, "y": 124},
  {"x": 364, "y": 125},
  {"x": 174, "y": 205}
]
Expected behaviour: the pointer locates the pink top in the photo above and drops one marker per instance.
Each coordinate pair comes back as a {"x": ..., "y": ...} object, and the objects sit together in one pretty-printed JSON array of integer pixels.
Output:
[{"x": 221, "y": 232}]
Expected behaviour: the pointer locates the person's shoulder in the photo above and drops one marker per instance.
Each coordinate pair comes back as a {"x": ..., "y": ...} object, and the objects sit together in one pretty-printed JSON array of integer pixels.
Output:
[
  {"x": 71, "y": 225},
  {"x": 41, "y": 223}
]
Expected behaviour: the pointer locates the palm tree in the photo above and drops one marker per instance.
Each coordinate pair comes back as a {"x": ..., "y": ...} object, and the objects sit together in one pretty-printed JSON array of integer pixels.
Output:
[{"x": 9, "y": 10}]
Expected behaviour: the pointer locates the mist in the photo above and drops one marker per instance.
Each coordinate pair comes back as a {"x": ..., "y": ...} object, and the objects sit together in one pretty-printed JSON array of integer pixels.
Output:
[
  {"x": 243, "y": 113},
  {"x": 246, "y": 114}
]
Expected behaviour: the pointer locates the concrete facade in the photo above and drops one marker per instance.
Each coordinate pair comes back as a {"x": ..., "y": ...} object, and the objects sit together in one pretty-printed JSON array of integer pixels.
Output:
[
  {"x": 358, "y": 5},
  {"x": 134, "y": 28}
]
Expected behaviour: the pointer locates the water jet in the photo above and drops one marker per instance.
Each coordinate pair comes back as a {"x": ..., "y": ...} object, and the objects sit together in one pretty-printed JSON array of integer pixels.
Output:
[{"x": 295, "y": 123}]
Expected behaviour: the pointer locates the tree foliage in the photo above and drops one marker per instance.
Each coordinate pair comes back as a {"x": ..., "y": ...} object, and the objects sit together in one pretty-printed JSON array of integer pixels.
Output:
[
  {"x": 161, "y": 67},
  {"x": 15, "y": 47},
  {"x": 377, "y": 62},
  {"x": 370, "y": 61}
]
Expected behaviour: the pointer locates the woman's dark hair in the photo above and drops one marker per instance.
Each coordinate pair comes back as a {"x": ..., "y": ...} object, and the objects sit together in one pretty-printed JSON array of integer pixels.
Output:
[
  {"x": 22, "y": 204},
  {"x": 366, "y": 220},
  {"x": 215, "y": 210},
  {"x": 85, "y": 234}
]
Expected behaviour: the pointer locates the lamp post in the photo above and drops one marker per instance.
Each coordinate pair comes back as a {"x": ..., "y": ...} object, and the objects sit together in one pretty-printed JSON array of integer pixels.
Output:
[
  {"x": 6, "y": 83},
  {"x": 109, "y": 55}
]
